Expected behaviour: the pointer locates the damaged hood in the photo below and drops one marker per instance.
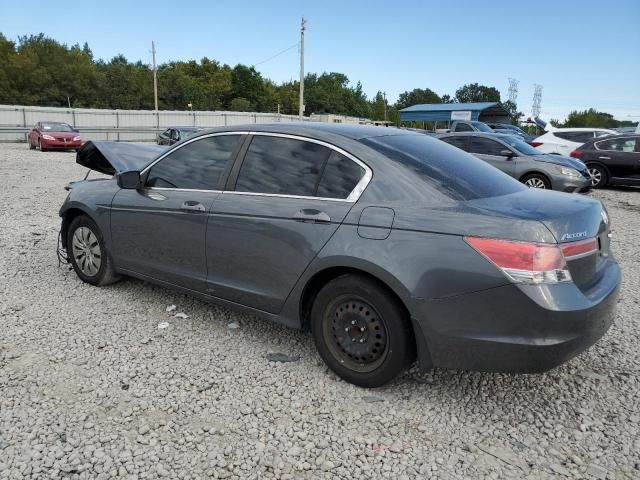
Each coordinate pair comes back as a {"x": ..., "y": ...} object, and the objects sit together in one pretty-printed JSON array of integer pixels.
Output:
[{"x": 115, "y": 157}]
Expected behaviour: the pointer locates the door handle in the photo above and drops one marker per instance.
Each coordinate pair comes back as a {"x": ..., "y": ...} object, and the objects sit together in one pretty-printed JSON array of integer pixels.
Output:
[
  {"x": 605, "y": 158},
  {"x": 193, "y": 206},
  {"x": 311, "y": 215}
]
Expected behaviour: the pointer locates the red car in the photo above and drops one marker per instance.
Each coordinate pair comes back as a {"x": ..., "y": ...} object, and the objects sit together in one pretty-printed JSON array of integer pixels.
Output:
[{"x": 54, "y": 135}]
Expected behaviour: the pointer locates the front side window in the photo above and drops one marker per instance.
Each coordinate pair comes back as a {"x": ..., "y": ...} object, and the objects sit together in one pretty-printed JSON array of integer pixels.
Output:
[
  {"x": 282, "y": 166},
  {"x": 197, "y": 165},
  {"x": 484, "y": 146}
]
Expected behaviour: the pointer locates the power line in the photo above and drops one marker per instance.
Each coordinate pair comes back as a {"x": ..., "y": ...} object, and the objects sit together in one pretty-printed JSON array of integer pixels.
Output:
[{"x": 276, "y": 55}]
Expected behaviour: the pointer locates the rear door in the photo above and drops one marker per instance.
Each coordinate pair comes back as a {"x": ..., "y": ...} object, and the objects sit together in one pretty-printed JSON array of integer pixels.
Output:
[
  {"x": 159, "y": 230},
  {"x": 621, "y": 155},
  {"x": 491, "y": 152},
  {"x": 285, "y": 199}
]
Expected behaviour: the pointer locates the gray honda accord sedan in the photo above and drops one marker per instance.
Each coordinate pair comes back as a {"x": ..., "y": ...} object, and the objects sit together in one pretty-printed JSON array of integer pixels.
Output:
[
  {"x": 388, "y": 245},
  {"x": 523, "y": 162}
]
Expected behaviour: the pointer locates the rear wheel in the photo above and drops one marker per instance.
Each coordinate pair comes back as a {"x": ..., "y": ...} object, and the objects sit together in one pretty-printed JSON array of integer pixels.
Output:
[
  {"x": 599, "y": 175},
  {"x": 536, "y": 180},
  {"x": 361, "y": 331},
  {"x": 87, "y": 252}
]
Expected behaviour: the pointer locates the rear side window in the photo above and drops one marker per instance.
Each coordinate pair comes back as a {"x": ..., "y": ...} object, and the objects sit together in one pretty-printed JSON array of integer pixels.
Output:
[
  {"x": 340, "y": 177},
  {"x": 627, "y": 144},
  {"x": 449, "y": 170},
  {"x": 460, "y": 142},
  {"x": 197, "y": 165},
  {"x": 282, "y": 166},
  {"x": 484, "y": 146},
  {"x": 578, "y": 137},
  {"x": 463, "y": 127}
]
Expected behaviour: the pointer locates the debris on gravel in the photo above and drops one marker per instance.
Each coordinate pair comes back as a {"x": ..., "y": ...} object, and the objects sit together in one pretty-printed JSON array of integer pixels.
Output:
[{"x": 91, "y": 389}]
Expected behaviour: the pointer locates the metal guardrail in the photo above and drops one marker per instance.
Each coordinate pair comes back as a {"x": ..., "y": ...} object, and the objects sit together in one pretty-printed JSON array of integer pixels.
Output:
[{"x": 111, "y": 133}]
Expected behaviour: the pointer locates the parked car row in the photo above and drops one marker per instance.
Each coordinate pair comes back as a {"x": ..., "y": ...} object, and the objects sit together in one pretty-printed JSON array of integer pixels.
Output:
[
  {"x": 523, "y": 162},
  {"x": 389, "y": 246}
]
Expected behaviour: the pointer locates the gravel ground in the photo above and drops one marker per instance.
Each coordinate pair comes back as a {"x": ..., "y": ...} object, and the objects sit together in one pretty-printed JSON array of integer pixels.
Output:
[{"x": 91, "y": 387}]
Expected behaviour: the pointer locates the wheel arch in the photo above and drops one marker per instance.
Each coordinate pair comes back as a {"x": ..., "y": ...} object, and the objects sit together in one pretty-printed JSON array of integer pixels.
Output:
[
  {"x": 599, "y": 164},
  {"x": 67, "y": 217},
  {"x": 323, "y": 276},
  {"x": 535, "y": 172}
]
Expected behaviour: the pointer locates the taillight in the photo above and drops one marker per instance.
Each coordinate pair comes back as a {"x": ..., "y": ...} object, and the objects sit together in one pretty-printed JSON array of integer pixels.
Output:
[
  {"x": 535, "y": 144},
  {"x": 579, "y": 249},
  {"x": 524, "y": 262},
  {"x": 576, "y": 154}
]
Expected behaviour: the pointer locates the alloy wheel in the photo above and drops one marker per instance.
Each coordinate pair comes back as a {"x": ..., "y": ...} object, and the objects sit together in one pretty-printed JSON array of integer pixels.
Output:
[
  {"x": 356, "y": 334},
  {"x": 535, "y": 182},
  {"x": 596, "y": 176},
  {"x": 86, "y": 251}
]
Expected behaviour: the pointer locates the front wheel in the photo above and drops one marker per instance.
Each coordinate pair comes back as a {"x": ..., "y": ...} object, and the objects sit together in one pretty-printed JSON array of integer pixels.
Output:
[
  {"x": 537, "y": 180},
  {"x": 87, "y": 252},
  {"x": 40, "y": 147},
  {"x": 31, "y": 145},
  {"x": 361, "y": 331},
  {"x": 599, "y": 176}
]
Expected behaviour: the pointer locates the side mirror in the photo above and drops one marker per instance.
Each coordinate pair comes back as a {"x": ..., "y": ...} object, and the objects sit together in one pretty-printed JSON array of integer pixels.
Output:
[
  {"x": 129, "y": 180},
  {"x": 506, "y": 153}
]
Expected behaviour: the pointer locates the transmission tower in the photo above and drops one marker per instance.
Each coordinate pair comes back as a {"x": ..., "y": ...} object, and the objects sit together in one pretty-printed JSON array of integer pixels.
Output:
[
  {"x": 537, "y": 100},
  {"x": 513, "y": 90}
]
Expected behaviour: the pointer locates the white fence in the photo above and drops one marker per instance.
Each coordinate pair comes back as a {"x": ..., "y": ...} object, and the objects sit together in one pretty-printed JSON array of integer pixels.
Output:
[{"x": 121, "y": 125}]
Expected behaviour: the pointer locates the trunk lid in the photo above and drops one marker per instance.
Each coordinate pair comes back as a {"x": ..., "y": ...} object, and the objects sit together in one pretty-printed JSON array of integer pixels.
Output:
[
  {"x": 569, "y": 218},
  {"x": 111, "y": 158}
]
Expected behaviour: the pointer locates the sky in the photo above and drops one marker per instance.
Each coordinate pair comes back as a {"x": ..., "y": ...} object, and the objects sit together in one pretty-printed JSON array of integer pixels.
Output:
[{"x": 584, "y": 53}]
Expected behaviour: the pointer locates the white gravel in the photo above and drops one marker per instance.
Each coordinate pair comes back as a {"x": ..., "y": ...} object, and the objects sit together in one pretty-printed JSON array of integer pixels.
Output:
[{"x": 91, "y": 386}]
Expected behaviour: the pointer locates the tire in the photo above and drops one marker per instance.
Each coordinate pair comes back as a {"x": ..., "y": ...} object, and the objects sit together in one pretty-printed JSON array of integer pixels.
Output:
[
  {"x": 31, "y": 145},
  {"x": 96, "y": 267},
  {"x": 40, "y": 146},
  {"x": 361, "y": 331},
  {"x": 599, "y": 175},
  {"x": 536, "y": 180}
]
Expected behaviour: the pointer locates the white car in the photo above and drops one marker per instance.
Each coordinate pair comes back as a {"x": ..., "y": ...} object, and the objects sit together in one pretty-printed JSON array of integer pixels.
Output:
[{"x": 563, "y": 141}]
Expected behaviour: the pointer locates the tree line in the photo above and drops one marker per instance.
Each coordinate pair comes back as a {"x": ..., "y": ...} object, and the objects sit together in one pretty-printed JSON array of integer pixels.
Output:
[{"x": 37, "y": 70}]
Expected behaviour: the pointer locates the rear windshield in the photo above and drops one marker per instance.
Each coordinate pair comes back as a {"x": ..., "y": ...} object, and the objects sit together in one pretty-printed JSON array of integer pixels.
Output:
[
  {"x": 482, "y": 127},
  {"x": 451, "y": 171}
]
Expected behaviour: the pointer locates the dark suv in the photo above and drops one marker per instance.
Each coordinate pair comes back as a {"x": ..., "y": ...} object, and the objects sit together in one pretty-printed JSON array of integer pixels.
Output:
[{"x": 612, "y": 160}]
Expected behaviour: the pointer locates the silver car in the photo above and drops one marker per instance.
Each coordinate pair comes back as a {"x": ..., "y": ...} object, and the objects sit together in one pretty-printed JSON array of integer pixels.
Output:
[{"x": 523, "y": 162}]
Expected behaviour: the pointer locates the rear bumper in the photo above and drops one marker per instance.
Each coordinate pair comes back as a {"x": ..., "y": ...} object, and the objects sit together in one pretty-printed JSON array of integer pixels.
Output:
[
  {"x": 61, "y": 145},
  {"x": 518, "y": 328}
]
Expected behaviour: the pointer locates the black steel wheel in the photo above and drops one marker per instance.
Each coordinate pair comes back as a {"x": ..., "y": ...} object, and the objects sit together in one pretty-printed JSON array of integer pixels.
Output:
[{"x": 361, "y": 331}]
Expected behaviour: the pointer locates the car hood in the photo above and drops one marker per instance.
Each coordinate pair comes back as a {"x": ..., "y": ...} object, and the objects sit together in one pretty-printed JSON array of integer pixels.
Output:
[
  {"x": 115, "y": 157},
  {"x": 560, "y": 160}
]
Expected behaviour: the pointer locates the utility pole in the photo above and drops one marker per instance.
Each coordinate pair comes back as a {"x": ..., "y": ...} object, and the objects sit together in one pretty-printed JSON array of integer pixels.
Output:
[
  {"x": 384, "y": 95},
  {"x": 155, "y": 76},
  {"x": 301, "y": 103}
]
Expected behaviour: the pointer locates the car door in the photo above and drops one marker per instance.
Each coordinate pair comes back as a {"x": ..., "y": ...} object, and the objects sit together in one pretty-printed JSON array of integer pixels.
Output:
[
  {"x": 491, "y": 151},
  {"x": 285, "y": 199},
  {"x": 159, "y": 230},
  {"x": 621, "y": 155}
]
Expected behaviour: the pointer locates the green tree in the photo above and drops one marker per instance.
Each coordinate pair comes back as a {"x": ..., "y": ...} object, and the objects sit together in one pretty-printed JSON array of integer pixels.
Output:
[
  {"x": 240, "y": 104},
  {"x": 474, "y": 92},
  {"x": 417, "y": 96},
  {"x": 590, "y": 118},
  {"x": 512, "y": 108}
]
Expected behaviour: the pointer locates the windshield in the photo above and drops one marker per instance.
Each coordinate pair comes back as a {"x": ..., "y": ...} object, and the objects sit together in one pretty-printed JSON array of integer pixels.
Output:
[
  {"x": 448, "y": 169},
  {"x": 482, "y": 127},
  {"x": 57, "y": 127},
  {"x": 520, "y": 146}
]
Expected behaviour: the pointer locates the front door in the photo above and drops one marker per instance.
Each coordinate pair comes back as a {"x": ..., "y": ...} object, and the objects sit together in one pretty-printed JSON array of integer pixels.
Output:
[
  {"x": 159, "y": 231},
  {"x": 622, "y": 156},
  {"x": 289, "y": 198}
]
